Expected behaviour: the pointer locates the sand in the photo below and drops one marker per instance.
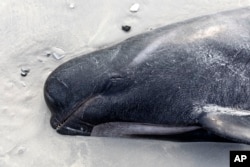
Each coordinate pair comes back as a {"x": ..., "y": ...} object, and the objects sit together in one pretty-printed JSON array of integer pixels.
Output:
[{"x": 39, "y": 36}]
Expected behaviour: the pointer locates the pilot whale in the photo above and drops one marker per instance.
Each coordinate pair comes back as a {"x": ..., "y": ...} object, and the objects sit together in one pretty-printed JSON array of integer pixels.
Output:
[{"x": 175, "y": 79}]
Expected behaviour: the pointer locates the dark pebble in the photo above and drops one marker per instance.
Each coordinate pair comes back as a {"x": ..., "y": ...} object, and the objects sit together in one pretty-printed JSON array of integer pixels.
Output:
[
  {"x": 126, "y": 28},
  {"x": 24, "y": 74},
  {"x": 24, "y": 71}
]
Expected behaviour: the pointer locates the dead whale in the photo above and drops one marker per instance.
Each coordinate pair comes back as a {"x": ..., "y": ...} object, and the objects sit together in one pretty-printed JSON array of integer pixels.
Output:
[{"x": 175, "y": 79}]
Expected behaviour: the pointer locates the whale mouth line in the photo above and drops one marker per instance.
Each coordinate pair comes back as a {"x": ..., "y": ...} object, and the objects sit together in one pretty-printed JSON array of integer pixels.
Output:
[
  {"x": 117, "y": 129},
  {"x": 83, "y": 105}
]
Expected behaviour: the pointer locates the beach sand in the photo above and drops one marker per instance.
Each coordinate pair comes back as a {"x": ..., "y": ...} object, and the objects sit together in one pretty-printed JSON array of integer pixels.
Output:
[{"x": 37, "y": 36}]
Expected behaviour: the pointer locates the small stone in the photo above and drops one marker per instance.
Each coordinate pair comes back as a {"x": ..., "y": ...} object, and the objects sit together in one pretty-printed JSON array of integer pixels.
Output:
[
  {"x": 135, "y": 7},
  {"x": 126, "y": 28},
  {"x": 48, "y": 53},
  {"x": 21, "y": 150},
  {"x": 24, "y": 71},
  {"x": 24, "y": 74},
  {"x": 57, "y": 53},
  {"x": 57, "y": 56},
  {"x": 71, "y": 5}
]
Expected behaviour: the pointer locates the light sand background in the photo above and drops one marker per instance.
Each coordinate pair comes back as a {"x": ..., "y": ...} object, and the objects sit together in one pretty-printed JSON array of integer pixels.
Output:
[{"x": 29, "y": 29}]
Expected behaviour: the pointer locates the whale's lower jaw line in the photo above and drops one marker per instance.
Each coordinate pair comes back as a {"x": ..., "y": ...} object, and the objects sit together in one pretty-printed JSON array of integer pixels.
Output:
[
  {"x": 116, "y": 129},
  {"x": 79, "y": 107},
  {"x": 71, "y": 131}
]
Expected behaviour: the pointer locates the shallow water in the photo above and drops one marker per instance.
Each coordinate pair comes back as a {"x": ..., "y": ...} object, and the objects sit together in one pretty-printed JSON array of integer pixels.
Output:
[{"x": 41, "y": 35}]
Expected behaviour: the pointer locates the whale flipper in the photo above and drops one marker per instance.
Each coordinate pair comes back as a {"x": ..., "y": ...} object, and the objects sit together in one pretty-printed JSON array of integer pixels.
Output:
[
  {"x": 129, "y": 128},
  {"x": 233, "y": 124}
]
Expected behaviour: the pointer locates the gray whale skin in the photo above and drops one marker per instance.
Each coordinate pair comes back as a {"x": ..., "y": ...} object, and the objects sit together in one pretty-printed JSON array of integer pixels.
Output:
[{"x": 172, "y": 80}]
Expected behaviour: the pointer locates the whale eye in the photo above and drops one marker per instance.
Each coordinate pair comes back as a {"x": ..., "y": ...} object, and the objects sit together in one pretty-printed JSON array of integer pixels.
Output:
[
  {"x": 114, "y": 84},
  {"x": 115, "y": 77}
]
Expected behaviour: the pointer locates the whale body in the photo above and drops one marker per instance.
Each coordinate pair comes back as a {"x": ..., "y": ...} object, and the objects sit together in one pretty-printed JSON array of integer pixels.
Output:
[{"x": 175, "y": 79}]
